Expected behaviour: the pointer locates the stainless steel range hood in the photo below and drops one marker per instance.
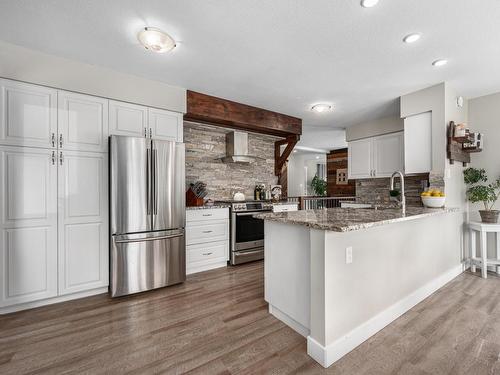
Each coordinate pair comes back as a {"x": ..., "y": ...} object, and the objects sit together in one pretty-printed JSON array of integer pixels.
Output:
[{"x": 237, "y": 149}]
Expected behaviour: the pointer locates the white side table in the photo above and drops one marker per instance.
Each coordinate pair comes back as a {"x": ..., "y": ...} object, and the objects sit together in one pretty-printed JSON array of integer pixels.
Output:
[{"x": 483, "y": 229}]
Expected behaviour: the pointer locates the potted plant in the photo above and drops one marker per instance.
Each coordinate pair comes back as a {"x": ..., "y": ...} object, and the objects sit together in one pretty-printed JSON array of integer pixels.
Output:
[
  {"x": 319, "y": 186},
  {"x": 487, "y": 194}
]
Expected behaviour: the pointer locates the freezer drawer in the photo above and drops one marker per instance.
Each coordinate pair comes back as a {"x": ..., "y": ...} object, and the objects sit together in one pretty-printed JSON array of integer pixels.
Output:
[{"x": 146, "y": 261}]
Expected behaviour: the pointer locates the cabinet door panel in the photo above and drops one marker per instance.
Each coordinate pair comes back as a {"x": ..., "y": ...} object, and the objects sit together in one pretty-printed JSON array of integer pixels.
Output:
[
  {"x": 127, "y": 119},
  {"x": 83, "y": 222},
  {"x": 418, "y": 143},
  {"x": 82, "y": 122},
  {"x": 28, "y": 115},
  {"x": 388, "y": 154},
  {"x": 28, "y": 227},
  {"x": 360, "y": 159},
  {"x": 165, "y": 125}
]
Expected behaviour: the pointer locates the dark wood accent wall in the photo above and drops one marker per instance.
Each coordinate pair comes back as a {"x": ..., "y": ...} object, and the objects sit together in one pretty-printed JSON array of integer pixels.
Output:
[
  {"x": 337, "y": 159},
  {"x": 217, "y": 111}
]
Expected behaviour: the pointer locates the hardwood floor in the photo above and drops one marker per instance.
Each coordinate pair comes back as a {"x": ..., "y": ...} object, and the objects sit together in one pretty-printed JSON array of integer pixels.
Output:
[{"x": 217, "y": 323}]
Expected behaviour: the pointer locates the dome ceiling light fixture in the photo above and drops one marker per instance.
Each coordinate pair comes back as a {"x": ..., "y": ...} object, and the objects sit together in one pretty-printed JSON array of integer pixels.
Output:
[
  {"x": 321, "y": 107},
  {"x": 156, "y": 40}
]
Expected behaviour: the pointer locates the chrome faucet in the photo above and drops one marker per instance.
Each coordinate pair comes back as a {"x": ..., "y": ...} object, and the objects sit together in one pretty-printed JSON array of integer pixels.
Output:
[{"x": 402, "y": 199}]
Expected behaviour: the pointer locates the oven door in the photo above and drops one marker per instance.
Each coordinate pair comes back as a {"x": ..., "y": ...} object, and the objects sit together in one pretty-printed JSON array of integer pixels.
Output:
[{"x": 247, "y": 232}]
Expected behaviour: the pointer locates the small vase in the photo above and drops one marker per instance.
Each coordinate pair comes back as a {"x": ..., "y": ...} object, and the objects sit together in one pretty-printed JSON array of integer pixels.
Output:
[{"x": 489, "y": 216}]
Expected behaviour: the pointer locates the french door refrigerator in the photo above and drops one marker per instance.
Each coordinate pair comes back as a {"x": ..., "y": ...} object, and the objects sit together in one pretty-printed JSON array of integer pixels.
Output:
[{"x": 147, "y": 214}]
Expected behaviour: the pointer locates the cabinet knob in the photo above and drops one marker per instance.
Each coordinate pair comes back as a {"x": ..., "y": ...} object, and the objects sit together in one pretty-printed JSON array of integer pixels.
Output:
[
  {"x": 207, "y": 253},
  {"x": 60, "y": 140},
  {"x": 61, "y": 158},
  {"x": 53, "y": 139}
]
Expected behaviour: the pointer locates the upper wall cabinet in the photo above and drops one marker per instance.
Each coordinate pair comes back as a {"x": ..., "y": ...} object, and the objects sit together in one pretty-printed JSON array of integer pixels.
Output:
[
  {"x": 139, "y": 121},
  {"x": 418, "y": 143},
  {"x": 128, "y": 119},
  {"x": 82, "y": 122},
  {"x": 165, "y": 125},
  {"x": 28, "y": 115},
  {"x": 376, "y": 156}
]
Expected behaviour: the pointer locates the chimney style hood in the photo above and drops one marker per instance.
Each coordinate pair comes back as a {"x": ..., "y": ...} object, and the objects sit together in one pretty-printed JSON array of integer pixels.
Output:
[{"x": 237, "y": 148}]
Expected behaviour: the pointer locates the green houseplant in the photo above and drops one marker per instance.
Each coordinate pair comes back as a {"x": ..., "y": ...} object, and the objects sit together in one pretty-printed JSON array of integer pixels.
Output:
[
  {"x": 319, "y": 186},
  {"x": 477, "y": 192}
]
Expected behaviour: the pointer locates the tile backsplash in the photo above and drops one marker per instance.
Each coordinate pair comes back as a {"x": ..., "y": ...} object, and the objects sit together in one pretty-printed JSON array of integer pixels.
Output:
[
  {"x": 376, "y": 190},
  {"x": 206, "y": 144}
]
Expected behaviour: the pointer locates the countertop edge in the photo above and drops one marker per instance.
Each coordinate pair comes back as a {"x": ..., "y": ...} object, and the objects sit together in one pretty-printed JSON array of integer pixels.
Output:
[{"x": 350, "y": 228}]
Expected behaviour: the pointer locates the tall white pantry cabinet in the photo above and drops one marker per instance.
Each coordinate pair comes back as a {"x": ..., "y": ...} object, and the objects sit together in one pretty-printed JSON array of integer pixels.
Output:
[{"x": 54, "y": 193}]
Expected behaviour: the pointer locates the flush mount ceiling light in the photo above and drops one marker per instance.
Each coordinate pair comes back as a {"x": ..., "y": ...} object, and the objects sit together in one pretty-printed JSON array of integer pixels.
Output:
[
  {"x": 320, "y": 108},
  {"x": 368, "y": 3},
  {"x": 440, "y": 62},
  {"x": 156, "y": 40},
  {"x": 411, "y": 38}
]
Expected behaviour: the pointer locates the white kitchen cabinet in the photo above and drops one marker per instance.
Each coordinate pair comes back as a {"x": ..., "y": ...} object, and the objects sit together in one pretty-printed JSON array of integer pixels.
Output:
[
  {"x": 376, "y": 157},
  {"x": 82, "y": 122},
  {"x": 388, "y": 154},
  {"x": 28, "y": 115},
  {"x": 418, "y": 143},
  {"x": 28, "y": 228},
  {"x": 360, "y": 154},
  {"x": 139, "y": 121},
  {"x": 128, "y": 119},
  {"x": 165, "y": 125},
  {"x": 207, "y": 239},
  {"x": 83, "y": 221}
]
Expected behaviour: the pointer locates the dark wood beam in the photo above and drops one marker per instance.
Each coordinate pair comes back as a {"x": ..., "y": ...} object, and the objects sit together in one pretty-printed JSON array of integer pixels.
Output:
[
  {"x": 217, "y": 111},
  {"x": 280, "y": 160}
]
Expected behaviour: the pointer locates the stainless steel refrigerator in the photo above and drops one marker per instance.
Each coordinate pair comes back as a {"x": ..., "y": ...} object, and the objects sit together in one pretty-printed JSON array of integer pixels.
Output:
[{"x": 147, "y": 214}]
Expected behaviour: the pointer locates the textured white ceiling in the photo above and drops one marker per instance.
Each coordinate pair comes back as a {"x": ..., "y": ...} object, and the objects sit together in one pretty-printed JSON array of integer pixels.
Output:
[{"x": 284, "y": 55}]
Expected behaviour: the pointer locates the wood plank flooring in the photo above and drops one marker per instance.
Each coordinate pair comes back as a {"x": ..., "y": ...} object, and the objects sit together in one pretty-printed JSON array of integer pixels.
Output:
[{"x": 217, "y": 323}]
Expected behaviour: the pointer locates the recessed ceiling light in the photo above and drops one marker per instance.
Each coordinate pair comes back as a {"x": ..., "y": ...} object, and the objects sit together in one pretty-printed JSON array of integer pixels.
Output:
[
  {"x": 440, "y": 62},
  {"x": 156, "y": 40},
  {"x": 368, "y": 3},
  {"x": 294, "y": 150},
  {"x": 317, "y": 157},
  {"x": 321, "y": 108},
  {"x": 411, "y": 38}
]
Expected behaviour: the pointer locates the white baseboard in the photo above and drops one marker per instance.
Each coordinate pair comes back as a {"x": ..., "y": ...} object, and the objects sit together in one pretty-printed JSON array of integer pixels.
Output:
[
  {"x": 50, "y": 301},
  {"x": 326, "y": 356},
  {"x": 292, "y": 323}
]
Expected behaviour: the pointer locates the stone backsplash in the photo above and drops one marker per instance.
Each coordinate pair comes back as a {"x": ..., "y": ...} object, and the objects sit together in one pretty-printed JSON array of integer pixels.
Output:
[
  {"x": 376, "y": 190},
  {"x": 206, "y": 144}
]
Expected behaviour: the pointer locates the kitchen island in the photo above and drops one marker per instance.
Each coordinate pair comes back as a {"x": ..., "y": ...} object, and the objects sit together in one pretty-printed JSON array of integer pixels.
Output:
[{"x": 337, "y": 276}]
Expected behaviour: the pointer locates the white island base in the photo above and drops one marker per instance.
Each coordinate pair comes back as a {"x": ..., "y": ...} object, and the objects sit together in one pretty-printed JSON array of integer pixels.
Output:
[{"x": 337, "y": 305}]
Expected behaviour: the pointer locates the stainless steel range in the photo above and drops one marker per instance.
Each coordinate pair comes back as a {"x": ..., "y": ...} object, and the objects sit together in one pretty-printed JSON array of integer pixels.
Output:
[{"x": 247, "y": 233}]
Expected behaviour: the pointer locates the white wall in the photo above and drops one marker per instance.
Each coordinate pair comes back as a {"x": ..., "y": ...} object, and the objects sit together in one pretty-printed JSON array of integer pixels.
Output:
[
  {"x": 27, "y": 65},
  {"x": 373, "y": 128},
  {"x": 301, "y": 171},
  {"x": 484, "y": 117}
]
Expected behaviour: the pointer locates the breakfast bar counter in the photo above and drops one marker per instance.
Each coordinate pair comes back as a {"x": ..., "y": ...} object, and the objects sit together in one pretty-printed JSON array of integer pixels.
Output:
[{"x": 337, "y": 276}]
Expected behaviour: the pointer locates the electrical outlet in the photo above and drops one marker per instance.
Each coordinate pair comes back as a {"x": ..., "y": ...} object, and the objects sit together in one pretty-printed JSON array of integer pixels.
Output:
[{"x": 348, "y": 255}]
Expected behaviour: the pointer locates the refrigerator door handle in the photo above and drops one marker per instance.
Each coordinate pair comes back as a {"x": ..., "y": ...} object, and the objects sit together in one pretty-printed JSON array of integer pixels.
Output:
[
  {"x": 148, "y": 178},
  {"x": 150, "y": 238},
  {"x": 155, "y": 174}
]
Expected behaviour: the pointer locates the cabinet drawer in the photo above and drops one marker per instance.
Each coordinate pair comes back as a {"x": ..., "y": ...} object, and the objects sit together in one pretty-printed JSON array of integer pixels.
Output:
[
  {"x": 207, "y": 231},
  {"x": 207, "y": 214},
  {"x": 209, "y": 252}
]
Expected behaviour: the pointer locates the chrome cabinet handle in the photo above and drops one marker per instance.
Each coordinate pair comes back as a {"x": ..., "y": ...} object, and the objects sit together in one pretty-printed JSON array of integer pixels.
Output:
[
  {"x": 206, "y": 215},
  {"x": 53, "y": 158},
  {"x": 145, "y": 132},
  {"x": 60, "y": 140},
  {"x": 207, "y": 253},
  {"x": 61, "y": 158},
  {"x": 53, "y": 140},
  {"x": 150, "y": 133},
  {"x": 207, "y": 231}
]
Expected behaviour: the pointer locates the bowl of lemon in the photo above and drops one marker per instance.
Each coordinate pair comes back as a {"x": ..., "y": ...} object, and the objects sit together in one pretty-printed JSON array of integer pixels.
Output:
[{"x": 433, "y": 198}]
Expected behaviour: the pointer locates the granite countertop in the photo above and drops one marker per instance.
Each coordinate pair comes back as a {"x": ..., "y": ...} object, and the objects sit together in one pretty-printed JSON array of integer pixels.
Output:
[
  {"x": 205, "y": 207},
  {"x": 350, "y": 219}
]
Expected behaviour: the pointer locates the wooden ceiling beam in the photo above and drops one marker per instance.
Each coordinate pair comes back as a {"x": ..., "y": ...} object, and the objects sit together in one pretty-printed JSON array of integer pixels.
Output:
[{"x": 217, "y": 111}]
